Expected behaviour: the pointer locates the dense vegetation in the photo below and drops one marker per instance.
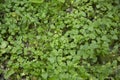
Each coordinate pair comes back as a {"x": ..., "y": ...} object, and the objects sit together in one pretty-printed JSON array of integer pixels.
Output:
[{"x": 60, "y": 39}]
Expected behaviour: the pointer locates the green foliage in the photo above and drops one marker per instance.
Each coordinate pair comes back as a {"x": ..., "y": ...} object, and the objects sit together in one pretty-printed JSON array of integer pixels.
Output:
[
  {"x": 36, "y": 1},
  {"x": 60, "y": 39}
]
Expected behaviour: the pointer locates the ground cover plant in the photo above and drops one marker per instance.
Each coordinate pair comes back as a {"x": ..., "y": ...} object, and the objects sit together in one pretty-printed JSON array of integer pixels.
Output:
[{"x": 59, "y": 40}]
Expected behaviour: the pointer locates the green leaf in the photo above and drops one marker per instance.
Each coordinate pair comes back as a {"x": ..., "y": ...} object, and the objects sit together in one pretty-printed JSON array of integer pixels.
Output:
[
  {"x": 36, "y": 1},
  {"x": 4, "y": 44},
  {"x": 118, "y": 58},
  {"x": 52, "y": 59},
  {"x": 45, "y": 75},
  {"x": 114, "y": 37},
  {"x": 85, "y": 56},
  {"x": 61, "y": 1},
  {"x": 9, "y": 73}
]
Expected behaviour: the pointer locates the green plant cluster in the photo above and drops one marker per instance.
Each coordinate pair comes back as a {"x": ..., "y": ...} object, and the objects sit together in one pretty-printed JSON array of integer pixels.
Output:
[{"x": 60, "y": 39}]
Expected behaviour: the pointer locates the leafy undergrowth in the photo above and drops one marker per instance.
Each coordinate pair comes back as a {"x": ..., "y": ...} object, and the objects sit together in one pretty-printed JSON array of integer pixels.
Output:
[{"x": 60, "y": 39}]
